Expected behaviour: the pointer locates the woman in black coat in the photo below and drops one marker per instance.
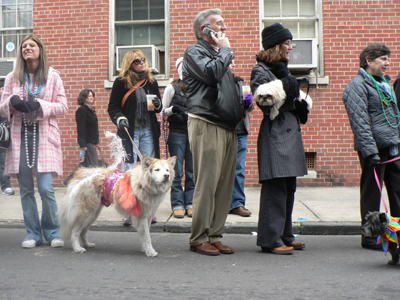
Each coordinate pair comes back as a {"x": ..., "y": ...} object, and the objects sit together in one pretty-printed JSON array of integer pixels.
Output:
[
  {"x": 88, "y": 127},
  {"x": 280, "y": 147}
]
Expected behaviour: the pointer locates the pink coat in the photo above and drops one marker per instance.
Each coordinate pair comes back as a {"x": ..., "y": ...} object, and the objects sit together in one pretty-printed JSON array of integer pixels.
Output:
[{"x": 53, "y": 104}]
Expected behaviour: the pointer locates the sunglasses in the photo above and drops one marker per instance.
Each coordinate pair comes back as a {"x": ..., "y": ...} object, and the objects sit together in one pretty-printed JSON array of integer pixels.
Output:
[{"x": 138, "y": 61}]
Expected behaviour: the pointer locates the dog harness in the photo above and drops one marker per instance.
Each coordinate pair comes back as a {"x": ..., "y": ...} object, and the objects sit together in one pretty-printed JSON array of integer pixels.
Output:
[
  {"x": 120, "y": 183},
  {"x": 390, "y": 234}
]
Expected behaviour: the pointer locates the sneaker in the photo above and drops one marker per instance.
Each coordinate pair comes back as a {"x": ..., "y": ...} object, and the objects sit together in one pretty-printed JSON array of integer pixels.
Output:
[
  {"x": 8, "y": 191},
  {"x": 29, "y": 244},
  {"x": 57, "y": 243}
]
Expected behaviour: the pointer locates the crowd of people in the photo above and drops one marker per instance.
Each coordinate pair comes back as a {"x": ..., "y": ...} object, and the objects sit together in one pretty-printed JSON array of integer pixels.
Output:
[{"x": 206, "y": 122}]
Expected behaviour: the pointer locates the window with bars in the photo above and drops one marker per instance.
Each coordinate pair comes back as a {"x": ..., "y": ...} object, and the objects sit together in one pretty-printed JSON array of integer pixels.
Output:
[
  {"x": 139, "y": 23},
  {"x": 16, "y": 21}
]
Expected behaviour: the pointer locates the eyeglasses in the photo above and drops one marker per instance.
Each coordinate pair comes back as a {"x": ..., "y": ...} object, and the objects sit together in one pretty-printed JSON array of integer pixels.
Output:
[
  {"x": 138, "y": 61},
  {"x": 289, "y": 44},
  {"x": 221, "y": 24}
]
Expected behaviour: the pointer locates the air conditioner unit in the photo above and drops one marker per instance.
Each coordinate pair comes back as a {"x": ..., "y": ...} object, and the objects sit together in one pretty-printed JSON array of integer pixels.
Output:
[
  {"x": 6, "y": 66},
  {"x": 150, "y": 51},
  {"x": 305, "y": 55}
]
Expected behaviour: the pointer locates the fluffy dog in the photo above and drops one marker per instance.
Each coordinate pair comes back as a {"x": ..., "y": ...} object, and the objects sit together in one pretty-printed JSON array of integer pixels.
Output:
[
  {"x": 273, "y": 94},
  {"x": 387, "y": 229},
  {"x": 137, "y": 192}
]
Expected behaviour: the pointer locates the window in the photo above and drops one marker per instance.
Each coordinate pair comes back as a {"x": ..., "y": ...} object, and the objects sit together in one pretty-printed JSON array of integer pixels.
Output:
[
  {"x": 16, "y": 21},
  {"x": 141, "y": 23},
  {"x": 303, "y": 19}
]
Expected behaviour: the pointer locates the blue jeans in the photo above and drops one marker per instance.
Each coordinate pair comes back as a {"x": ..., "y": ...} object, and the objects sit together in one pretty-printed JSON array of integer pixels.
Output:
[
  {"x": 178, "y": 143},
  {"x": 238, "y": 197},
  {"x": 49, "y": 224},
  {"x": 143, "y": 139},
  {"x": 4, "y": 179}
]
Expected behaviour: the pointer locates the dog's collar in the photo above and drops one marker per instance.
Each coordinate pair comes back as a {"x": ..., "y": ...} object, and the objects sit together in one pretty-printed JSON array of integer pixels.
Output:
[{"x": 390, "y": 234}]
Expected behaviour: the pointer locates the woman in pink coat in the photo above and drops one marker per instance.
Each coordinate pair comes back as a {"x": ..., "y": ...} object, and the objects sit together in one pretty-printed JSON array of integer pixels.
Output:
[{"x": 32, "y": 99}]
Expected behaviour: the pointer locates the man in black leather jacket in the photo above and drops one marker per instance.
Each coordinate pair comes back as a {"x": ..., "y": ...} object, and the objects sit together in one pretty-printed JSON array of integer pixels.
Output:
[{"x": 214, "y": 110}]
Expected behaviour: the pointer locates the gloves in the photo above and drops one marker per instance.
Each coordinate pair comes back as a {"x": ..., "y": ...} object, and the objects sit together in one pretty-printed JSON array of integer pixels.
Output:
[
  {"x": 248, "y": 99},
  {"x": 302, "y": 111},
  {"x": 176, "y": 109},
  {"x": 20, "y": 105},
  {"x": 33, "y": 105},
  {"x": 374, "y": 159},
  {"x": 280, "y": 69},
  {"x": 156, "y": 102},
  {"x": 123, "y": 123}
]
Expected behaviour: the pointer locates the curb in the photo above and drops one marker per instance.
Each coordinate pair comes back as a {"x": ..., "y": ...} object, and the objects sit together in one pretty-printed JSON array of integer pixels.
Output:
[{"x": 304, "y": 228}]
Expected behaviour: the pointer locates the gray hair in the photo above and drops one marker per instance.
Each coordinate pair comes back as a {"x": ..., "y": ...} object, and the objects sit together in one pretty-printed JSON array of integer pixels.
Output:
[{"x": 201, "y": 19}]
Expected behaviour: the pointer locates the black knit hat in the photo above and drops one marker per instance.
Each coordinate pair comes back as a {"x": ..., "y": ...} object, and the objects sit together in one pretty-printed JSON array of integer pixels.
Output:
[{"x": 274, "y": 35}]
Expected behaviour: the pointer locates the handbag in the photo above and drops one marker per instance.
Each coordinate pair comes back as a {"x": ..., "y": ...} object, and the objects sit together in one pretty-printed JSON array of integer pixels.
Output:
[
  {"x": 87, "y": 164},
  {"x": 5, "y": 135}
]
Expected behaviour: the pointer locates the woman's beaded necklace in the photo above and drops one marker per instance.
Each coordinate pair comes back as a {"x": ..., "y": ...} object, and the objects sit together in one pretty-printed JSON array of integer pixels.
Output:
[
  {"x": 386, "y": 100},
  {"x": 30, "y": 118}
]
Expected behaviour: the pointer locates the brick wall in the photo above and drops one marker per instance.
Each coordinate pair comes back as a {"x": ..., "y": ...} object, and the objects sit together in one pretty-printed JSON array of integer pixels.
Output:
[{"x": 76, "y": 36}]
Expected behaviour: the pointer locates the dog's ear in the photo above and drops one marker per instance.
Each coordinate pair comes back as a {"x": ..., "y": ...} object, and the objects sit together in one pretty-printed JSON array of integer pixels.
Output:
[
  {"x": 146, "y": 162},
  {"x": 383, "y": 218},
  {"x": 172, "y": 161}
]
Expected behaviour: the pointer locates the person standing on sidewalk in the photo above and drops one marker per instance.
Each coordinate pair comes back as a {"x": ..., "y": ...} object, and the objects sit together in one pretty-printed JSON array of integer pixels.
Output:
[
  {"x": 4, "y": 179},
  {"x": 280, "y": 147},
  {"x": 242, "y": 130},
  {"x": 374, "y": 117},
  {"x": 34, "y": 96},
  {"x": 214, "y": 110},
  {"x": 174, "y": 103}
]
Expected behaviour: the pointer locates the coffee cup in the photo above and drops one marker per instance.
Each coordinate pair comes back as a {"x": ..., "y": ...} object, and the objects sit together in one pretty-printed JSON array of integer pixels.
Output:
[
  {"x": 245, "y": 90},
  {"x": 150, "y": 105}
]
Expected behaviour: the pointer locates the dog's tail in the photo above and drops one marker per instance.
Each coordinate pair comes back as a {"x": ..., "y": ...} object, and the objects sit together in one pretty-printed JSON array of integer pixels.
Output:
[{"x": 118, "y": 152}]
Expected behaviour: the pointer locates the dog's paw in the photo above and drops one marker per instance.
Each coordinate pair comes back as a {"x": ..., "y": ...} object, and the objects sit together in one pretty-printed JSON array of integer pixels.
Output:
[
  {"x": 150, "y": 252},
  {"x": 392, "y": 262},
  {"x": 90, "y": 245},
  {"x": 80, "y": 250}
]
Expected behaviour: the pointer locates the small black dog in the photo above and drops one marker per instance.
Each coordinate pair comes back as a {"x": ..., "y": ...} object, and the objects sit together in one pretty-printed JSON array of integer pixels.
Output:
[{"x": 376, "y": 225}]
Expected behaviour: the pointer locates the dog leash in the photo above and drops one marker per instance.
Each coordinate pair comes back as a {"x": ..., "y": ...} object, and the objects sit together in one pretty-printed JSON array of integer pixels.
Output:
[
  {"x": 136, "y": 147},
  {"x": 379, "y": 184}
]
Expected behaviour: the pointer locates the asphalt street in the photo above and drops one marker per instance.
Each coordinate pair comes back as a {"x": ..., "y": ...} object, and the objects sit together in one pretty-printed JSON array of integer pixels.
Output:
[{"x": 331, "y": 267}]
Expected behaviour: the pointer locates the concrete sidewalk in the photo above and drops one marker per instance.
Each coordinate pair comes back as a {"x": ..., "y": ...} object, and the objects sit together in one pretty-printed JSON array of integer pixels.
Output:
[{"x": 317, "y": 210}]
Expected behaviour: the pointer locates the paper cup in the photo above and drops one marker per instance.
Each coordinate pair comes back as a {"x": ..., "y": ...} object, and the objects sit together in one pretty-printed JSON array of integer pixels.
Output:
[
  {"x": 245, "y": 90},
  {"x": 150, "y": 105}
]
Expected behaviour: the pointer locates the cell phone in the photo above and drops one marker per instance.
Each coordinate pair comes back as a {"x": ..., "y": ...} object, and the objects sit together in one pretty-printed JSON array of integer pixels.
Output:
[{"x": 207, "y": 31}]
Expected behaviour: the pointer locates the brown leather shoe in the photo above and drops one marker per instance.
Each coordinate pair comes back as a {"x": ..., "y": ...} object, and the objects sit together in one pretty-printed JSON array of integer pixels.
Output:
[
  {"x": 179, "y": 213},
  {"x": 189, "y": 212},
  {"x": 297, "y": 245},
  {"x": 223, "y": 248},
  {"x": 206, "y": 249},
  {"x": 241, "y": 211},
  {"x": 283, "y": 250}
]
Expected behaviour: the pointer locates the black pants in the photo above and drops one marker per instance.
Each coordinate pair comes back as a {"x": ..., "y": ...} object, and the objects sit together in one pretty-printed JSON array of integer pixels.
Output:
[
  {"x": 275, "y": 216},
  {"x": 370, "y": 199}
]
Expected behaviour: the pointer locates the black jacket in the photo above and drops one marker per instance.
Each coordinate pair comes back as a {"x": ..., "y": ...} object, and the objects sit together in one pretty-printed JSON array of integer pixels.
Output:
[
  {"x": 209, "y": 85},
  {"x": 129, "y": 111},
  {"x": 178, "y": 122},
  {"x": 87, "y": 125}
]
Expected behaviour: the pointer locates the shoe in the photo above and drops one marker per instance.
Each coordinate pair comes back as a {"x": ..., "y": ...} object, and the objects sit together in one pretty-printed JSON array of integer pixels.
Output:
[
  {"x": 57, "y": 243},
  {"x": 127, "y": 221},
  {"x": 283, "y": 250},
  {"x": 189, "y": 212},
  {"x": 223, "y": 248},
  {"x": 8, "y": 191},
  {"x": 206, "y": 249},
  {"x": 179, "y": 213},
  {"x": 29, "y": 244},
  {"x": 153, "y": 220},
  {"x": 297, "y": 245},
  {"x": 241, "y": 211}
]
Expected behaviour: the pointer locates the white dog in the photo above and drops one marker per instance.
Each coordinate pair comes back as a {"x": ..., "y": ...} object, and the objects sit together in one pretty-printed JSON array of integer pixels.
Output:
[
  {"x": 273, "y": 94},
  {"x": 137, "y": 193}
]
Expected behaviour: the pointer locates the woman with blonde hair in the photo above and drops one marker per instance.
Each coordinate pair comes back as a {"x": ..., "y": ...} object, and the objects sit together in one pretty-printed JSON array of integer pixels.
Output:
[
  {"x": 128, "y": 108},
  {"x": 33, "y": 97}
]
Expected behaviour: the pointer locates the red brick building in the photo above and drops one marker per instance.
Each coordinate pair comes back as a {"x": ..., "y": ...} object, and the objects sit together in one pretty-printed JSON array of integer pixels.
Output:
[{"x": 82, "y": 37}]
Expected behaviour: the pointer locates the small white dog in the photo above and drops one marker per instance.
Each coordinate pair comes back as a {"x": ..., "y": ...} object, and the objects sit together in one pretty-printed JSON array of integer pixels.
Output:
[
  {"x": 137, "y": 193},
  {"x": 273, "y": 94}
]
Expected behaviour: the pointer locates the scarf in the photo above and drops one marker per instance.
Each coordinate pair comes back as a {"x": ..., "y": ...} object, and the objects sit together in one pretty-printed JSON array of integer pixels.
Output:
[
  {"x": 390, "y": 234},
  {"x": 142, "y": 115},
  {"x": 91, "y": 107}
]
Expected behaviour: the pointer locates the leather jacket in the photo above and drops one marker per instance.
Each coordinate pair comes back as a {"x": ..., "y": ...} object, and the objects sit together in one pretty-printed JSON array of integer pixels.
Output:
[{"x": 210, "y": 86}]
